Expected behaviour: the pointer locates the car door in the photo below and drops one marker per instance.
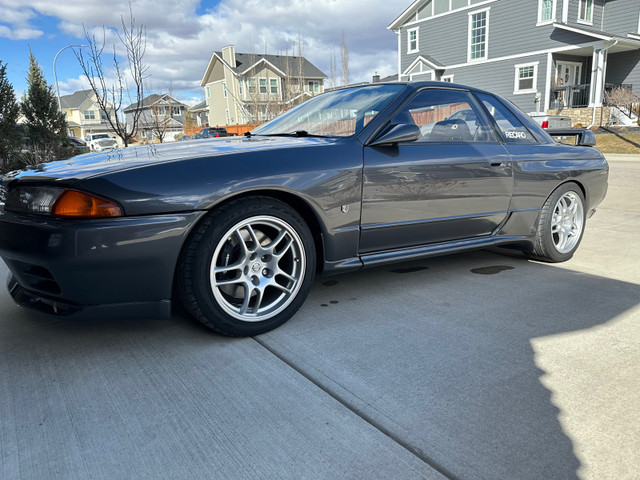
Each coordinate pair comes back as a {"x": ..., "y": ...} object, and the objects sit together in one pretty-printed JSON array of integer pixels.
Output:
[{"x": 454, "y": 182}]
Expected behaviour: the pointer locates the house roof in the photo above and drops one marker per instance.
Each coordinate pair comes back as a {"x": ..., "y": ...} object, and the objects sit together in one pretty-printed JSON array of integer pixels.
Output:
[
  {"x": 152, "y": 99},
  {"x": 390, "y": 78},
  {"x": 76, "y": 99},
  {"x": 406, "y": 15},
  {"x": 284, "y": 64},
  {"x": 199, "y": 106},
  {"x": 623, "y": 43}
]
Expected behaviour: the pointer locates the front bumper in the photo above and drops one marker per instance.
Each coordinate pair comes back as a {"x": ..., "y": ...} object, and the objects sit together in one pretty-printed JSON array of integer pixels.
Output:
[{"x": 121, "y": 266}]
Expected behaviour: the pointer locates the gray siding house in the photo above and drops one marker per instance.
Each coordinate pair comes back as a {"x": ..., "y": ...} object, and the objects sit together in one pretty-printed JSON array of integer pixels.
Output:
[
  {"x": 543, "y": 55},
  {"x": 161, "y": 116}
]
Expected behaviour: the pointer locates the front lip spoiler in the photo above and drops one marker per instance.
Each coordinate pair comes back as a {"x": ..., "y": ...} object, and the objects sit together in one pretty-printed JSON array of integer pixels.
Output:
[
  {"x": 58, "y": 308},
  {"x": 34, "y": 302}
]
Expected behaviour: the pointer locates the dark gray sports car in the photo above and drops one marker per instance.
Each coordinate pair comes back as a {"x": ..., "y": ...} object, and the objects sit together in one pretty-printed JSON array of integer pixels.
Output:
[{"x": 237, "y": 228}]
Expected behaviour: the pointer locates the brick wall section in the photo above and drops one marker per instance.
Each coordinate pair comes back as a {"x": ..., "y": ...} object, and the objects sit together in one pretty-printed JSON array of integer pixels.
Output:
[{"x": 583, "y": 116}]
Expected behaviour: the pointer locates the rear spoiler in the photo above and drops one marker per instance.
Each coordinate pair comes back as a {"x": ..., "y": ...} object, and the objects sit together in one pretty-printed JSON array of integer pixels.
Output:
[{"x": 573, "y": 136}]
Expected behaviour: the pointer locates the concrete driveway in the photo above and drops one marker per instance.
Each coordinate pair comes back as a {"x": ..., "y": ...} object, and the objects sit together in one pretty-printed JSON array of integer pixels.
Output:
[{"x": 472, "y": 366}]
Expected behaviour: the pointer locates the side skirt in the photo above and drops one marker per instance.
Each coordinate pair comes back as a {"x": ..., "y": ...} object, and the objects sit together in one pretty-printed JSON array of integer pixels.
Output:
[{"x": 415, "y": 253}]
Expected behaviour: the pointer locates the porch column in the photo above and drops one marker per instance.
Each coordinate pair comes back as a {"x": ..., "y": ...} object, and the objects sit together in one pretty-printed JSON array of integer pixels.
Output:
[
  {"x": 598, "y": 72},
  {"x": 549, "y": 77}
]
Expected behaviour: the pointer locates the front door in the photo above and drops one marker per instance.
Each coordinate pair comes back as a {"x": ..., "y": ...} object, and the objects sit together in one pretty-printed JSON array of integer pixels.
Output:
[
  {"x": 567, "y": 74},
  {"x": 453, "y": 183}
]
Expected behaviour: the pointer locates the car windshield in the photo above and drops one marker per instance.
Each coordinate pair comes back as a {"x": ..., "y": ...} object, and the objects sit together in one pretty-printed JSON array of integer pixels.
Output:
[{"x": 340, "y": 113}]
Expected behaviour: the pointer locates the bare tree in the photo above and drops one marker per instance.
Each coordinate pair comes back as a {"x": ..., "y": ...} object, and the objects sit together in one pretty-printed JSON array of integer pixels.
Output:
[
  {"x": 189, "y": 120},
  {"x": 161, "y": 114},
  {"x": 344, "y": 55},
  {"x": 620, "y": 97},
  {"x": 109, "y": 97},
  {"x": 301, "y": 78},
  {"x": 333, "y": 69}
]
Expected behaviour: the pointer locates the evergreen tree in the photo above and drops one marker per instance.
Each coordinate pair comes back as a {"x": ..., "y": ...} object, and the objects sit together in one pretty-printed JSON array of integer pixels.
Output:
[
  {"x": 46, "y": 126},
  {"x": 10, "y": 137}
]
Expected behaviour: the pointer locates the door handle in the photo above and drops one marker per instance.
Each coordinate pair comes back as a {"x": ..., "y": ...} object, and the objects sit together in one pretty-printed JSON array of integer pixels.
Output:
[{"x": 497, "y": 164}]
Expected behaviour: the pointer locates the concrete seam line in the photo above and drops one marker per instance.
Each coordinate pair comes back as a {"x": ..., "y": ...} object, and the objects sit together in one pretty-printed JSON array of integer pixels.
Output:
[{"x": 345, "y": 403}]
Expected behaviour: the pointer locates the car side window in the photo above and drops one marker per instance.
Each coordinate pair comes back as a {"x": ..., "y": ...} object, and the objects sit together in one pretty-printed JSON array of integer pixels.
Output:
[
  {"x": 513, "y": 131},
  {"x": 445, "y": 116}
]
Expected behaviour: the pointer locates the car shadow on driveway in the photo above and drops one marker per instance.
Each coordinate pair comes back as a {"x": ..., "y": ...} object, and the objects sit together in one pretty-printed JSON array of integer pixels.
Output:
[{"x": 444, "y": 355}]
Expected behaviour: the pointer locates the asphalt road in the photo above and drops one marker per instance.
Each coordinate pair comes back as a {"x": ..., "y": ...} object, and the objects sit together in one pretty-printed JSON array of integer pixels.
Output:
[{"x": 472, "y": 366}]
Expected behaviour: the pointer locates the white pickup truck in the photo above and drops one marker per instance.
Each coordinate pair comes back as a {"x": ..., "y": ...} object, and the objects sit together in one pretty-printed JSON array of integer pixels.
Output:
[
  {"x": 551, "y": 121},
  {"x": 93, "y": 138}
]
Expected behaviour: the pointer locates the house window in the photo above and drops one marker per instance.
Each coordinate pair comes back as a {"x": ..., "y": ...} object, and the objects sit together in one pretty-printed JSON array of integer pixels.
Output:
[
  {"x": 252, "y": 85},
  {"x": 175, "y": 110},
  {"x": 446, "y": 78},
  {"x": 273, "y": 85},
  {"x": 314, "y": 87},
  {"x": 585, "y": 11},
  {"x": 224, "y": 89},
  {"x": 240, "y": 87},
  {"x": 226, "y": 112},
  {"x": 412, "y": 40},
  {"x": 263, "y": 85},
  {"x": 546, "y": 11},
  {"x": 478, "y": 33},
  {"x": 208, "y": 92},
  {"x": 526, "y": 78},
  {"x": 89, "y": 114}
]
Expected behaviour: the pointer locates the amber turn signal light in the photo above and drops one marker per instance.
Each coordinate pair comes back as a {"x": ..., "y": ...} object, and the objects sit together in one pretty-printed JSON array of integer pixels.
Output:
[{"x": 72, "y": 203}]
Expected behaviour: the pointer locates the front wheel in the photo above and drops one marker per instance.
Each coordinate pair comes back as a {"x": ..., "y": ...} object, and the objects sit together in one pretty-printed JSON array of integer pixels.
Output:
[
  {"x": 248, "y": 267},
  {"x": 561, "y": 225}
]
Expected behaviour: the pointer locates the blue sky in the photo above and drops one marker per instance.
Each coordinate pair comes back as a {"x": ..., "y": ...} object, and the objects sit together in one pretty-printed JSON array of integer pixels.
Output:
[{"x": 180, "y": 39}]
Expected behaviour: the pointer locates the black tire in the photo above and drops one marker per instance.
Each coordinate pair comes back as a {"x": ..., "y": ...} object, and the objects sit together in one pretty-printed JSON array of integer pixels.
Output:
[
  {"x": 561, "y": 225},
  {"x": 247, "y": 267}
]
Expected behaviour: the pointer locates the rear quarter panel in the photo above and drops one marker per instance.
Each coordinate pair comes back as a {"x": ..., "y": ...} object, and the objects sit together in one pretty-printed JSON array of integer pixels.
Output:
[{"x": 540, "y": 169}]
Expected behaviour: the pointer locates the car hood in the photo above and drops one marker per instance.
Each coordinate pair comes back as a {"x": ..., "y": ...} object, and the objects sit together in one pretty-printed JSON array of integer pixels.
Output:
[{"x": 94, "y": 164}]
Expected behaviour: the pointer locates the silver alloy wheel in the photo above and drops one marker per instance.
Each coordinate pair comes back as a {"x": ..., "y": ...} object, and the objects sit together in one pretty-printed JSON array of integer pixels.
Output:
[
  {"x": 258, "y": 268},
  {"x": 567, "y": 222}
]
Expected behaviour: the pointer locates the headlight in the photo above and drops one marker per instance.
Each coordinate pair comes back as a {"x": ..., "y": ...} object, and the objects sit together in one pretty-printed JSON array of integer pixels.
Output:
[
  {"x": 60, "y": 202},
  {"x": 32, "y": 200}
]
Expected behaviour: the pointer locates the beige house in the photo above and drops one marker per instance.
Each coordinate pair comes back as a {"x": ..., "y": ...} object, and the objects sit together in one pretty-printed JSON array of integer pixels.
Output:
[
  {"x": 83, "y": 114},
  {"x": 245, "y": 88}
]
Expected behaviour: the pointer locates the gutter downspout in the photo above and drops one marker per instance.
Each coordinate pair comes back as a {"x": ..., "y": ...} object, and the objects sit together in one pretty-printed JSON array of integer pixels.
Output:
[{"x": 593, "y": 117}]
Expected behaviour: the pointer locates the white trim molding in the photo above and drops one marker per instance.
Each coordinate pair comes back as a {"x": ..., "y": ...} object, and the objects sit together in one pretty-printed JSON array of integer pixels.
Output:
[
  {"x": 585, "y": 21},
  {"x": 553, "y": 13},
  {"x": 415, "y": 31},
  {"x": 486, "y": 35},
  {"x": 534, "y": 71}
]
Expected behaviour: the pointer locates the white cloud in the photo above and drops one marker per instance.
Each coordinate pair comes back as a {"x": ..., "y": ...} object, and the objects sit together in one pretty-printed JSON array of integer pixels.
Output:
[{"x": 181, "y": 37}]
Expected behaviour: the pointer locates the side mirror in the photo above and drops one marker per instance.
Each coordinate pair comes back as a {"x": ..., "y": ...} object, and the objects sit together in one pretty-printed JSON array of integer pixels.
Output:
[{"x": 403, "y": 132}]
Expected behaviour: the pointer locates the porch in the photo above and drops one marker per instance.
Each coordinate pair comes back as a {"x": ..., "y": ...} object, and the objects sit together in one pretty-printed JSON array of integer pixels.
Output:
[{"x": 577, "y": 96}]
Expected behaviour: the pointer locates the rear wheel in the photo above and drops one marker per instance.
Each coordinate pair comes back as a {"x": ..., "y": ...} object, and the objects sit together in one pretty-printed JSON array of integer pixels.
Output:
[
  {"x": 248, "y": 267},
  {"x": 561, "y": 225}
]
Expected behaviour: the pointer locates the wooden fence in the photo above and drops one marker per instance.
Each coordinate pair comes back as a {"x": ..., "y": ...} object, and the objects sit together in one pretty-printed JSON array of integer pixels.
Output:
[{"x": 235, "y": 129}]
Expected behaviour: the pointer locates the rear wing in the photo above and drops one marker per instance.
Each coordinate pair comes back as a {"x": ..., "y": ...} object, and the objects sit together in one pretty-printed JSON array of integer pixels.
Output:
[{"x": 573, "y": 136}]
